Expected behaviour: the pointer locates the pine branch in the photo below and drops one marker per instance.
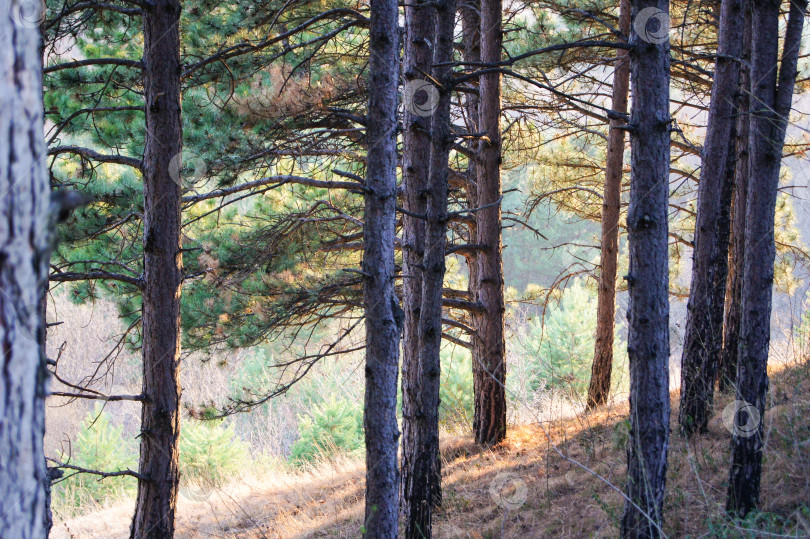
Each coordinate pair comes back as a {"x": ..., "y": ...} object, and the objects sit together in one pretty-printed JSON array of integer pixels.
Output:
[
  {"x": 95, "y": 275},
  {"x": 93, "y": 396},
  {"x": 275, "y": 181},
  {"x": 102, "y": 475},
  {"x": 136, "y": 64},
  {"x": 93, "y": 155}
]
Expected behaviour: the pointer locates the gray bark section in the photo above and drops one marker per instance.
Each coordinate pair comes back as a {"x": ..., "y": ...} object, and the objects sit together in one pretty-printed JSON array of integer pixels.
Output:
[
  {"x": 648, "y": 283},
  {"x": 703, "y": 339},
  {"x": 419, "y": 30},
  {"x": 489, "y": 350},
  {"x": 771, "y": 99},
  {"x": 163, "y": 272},
  {"x": 423, "y": 475},
  {"x": 24, "y": 206},
  {"x": 383, "y": 316},
  {"x": 599, "y": 387}
]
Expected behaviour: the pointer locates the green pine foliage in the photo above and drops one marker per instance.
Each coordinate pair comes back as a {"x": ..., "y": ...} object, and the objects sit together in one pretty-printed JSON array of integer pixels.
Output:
[
  {"x": 210, "y": 451},
  {"x": 243, "y": 255},
  {"x": 332, "y": 427},
  {"x": 560, "y": 344},
  {"x": 100, "y": 446},
  {"x": 801, "y": 333},
  {"x": 456, "y": 389}
]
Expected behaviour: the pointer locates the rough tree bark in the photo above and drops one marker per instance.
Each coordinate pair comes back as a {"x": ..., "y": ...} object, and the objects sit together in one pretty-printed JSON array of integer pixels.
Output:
[
  {"x": 770, "y": 107},
  {"x": 470, "y": 11},
  {"x": 727, "y": 369},
  {"x": 24, "y": 242},
  {"x": 163, "y": 274},
  {"x": 648, "y": 278},
  {"x": 425, "y": 467},
  {"x": 489, "y": 350},
  {"x": 383, "y": 316},
  {"x": 599, "y": 387},
  {"x": 419, "y": 33},
  {"x": 703, "y": 339}
]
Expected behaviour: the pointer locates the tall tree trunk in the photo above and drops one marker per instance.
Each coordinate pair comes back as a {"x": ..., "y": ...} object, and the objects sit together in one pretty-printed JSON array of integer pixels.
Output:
[
  {"x": 470, "y": 11},
  {"x": 648, "y": 278},
  {"x": 704, "y": 324},
  {"x": 163, "y": 274},
  {"x": 419, "y": 33},
  {"x": 727, "y": 370},
  {"x": 599, "y": 388},
  {"x": 50, "y": 473},
  {"x": 383, "y": 317},
  {"x": 425, "y": 466},
  {"x": 24, "y": 252},
  {"x": 489, "y": 350},
  {"x": 770, "y": 107}
]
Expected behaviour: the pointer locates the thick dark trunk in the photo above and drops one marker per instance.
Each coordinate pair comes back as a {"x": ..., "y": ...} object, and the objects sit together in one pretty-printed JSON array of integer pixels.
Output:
[
  {"x": 163, "y": 274},
  {"x": 727, "y": 369},
  {"x": 599, "y": 388},
  {"x": 489, "y": 350},
  {"x": 648, "y": 280},
  {"x": 770, "y": 108},
  {"x": 419, "y": 30},
  {"x": 383, "y": 317},
  {"x": 24, "y": 252},
  {"x": 704, "y": 324},
  {"x": 424, "y": 468}
]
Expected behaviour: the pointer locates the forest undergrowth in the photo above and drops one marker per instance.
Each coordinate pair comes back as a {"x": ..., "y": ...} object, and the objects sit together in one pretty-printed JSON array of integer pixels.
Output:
[{"x": 558, "y": 478}]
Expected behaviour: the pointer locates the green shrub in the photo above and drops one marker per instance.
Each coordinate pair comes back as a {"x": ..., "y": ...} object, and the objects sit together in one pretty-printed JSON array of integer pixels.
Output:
[
  {"x": 760, "y": 524},
  {"x": 332, "y": 427},
  {"x": 802, "y": 334},
  {"x": 561, "y": 346},
  {"x": 456, "y": 389},
  {"x": 210, "y": 451},
  {"x": 98, "y": 446},
  {"x": 254, "y": 375}
]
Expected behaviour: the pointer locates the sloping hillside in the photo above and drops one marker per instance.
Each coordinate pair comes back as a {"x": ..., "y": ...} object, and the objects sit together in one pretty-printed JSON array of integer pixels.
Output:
[{"x": 541, "y": 482}]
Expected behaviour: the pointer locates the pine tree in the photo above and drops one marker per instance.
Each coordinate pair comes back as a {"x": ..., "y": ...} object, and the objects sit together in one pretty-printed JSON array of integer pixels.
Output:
[
  {"x": 648, "y": 278},
  {"x": 599, "y": 387},
  {"x": 704, "y": 324},
  {"x": 24, "y": 251},
  {"x": 424, "y": 474},
  {"x": 417, "y": 60},
  {"x": 162, "y": 274},
  {"x": 383, "y": 316},
  {"x": 771, "y": 99},
  {"x": 489, "y": 347}
]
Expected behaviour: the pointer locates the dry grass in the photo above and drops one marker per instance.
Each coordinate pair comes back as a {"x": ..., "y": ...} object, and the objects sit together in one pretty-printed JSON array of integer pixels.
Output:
[{"x": 562, "y": 499}]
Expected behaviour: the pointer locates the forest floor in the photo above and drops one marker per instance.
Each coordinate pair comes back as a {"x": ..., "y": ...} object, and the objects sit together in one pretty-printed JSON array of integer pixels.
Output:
[{"x": 556, "y": 479}]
